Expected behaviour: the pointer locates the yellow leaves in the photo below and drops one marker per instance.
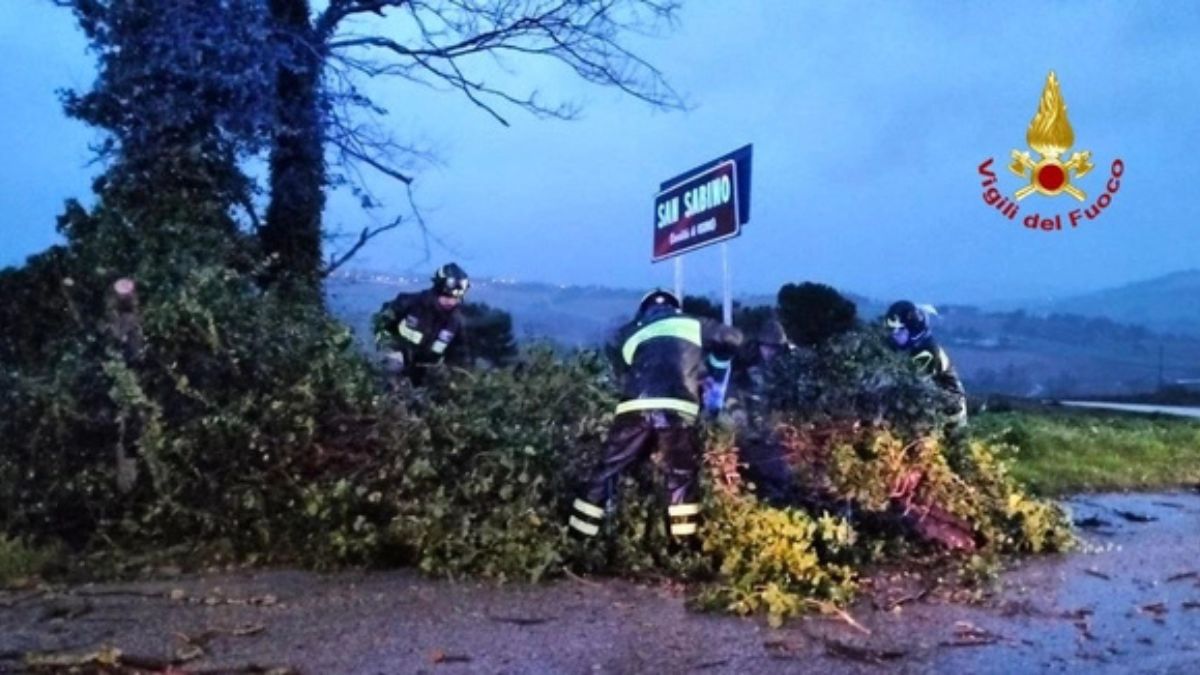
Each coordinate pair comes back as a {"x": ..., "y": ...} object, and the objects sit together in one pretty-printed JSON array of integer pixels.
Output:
[{"x": 769, "y": 559}]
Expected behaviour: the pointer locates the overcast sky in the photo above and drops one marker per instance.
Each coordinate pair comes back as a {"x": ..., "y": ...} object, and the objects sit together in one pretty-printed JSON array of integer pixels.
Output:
[{"x": 868, "y": 121}]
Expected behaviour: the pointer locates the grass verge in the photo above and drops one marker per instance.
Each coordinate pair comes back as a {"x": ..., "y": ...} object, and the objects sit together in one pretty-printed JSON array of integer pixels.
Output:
[{"x": 1063, "y": 451}]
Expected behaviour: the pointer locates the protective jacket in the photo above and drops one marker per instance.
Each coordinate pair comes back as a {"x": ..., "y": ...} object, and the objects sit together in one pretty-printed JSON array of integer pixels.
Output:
[
  {"x": 414, "y": 325},
  {"x": 664, "y": 358},
  {"x": 661, "y": 357},
  {"x": 931, "y": 360}
]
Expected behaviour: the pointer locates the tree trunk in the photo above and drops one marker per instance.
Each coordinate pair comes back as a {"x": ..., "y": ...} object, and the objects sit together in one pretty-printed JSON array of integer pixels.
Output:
[{"x": 292, "y": 227}]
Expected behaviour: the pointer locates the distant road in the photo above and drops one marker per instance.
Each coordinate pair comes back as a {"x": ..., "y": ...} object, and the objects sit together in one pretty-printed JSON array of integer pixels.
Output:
[{"x": 1181, "y": 411}]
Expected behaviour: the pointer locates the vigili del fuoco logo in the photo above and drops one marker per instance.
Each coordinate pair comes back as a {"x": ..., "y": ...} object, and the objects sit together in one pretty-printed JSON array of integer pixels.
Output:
[{"x": 1050, "y": 137}]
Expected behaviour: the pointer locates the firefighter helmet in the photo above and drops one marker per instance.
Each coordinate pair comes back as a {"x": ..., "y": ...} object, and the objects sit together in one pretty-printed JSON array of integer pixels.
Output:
[
  {"x": 658, "y": 299},
  {"x": 451, "y": 280},
  {"x": 906, "y": 322}
]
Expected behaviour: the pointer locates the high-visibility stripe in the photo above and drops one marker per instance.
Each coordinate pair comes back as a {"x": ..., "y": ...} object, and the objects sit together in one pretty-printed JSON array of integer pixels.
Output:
[
  {"x": 412, "y": 335},
  {"x": 675, "y": 404},
  {"x": 923, "y": 360},
  {"x": 588, "y": 509},
  {"x": 590, "y": 529},
  {"x": 683, "y": 528},
  {"x": 438, "y": 347},
  {"x": 681, "y": 327},
  {"x": 718, "y": 363},
  {"x": 683, "y": 509}
]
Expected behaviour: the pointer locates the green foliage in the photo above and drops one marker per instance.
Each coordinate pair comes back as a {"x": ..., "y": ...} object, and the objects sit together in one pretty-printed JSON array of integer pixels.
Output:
[
  {"x": 489, "y": 331},
  {"x": 750, "y": 319},
  {"x": 854, "y": 376},
  {"x": 19, "y": 561},
  {"x": 813, "y": 313},
  {"x": 485, "y": 495},
  {"x": 184, "y": 92},
  {"x": 233, "y": 404}
]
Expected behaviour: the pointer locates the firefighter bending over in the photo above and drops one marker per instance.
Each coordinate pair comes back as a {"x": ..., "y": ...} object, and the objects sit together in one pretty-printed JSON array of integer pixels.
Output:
[
  {"x": 909, "y": 328},
  {"x": 417, "y": 330},
  {"x": 661, "y": 358},
  {"x": 762, "y": 458}
]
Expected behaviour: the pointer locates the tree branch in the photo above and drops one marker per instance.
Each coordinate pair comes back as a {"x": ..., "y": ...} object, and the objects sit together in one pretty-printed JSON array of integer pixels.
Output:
[
  {"x": 338, "y": 10},
  {"x": 371, "y": 161},
  {"x": 366, "y": 235}
]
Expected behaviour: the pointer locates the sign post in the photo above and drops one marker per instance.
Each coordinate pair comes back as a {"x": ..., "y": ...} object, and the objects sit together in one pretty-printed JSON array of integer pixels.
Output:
[
  {"x": 706, "y": 205},
  {"x": 679, "y": 277},
  {"x": 727, "y": 299}
]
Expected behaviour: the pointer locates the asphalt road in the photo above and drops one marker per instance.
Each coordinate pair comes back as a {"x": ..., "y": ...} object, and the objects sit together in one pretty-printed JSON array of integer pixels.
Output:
[{"x": 1129, "y": 603}]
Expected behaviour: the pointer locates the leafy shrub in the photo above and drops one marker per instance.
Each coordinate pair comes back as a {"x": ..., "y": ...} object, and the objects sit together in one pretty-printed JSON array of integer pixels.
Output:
[
  {"x": 749, "y": 318},
  {"x": 486, "y": 494},
  {"x": 854, "y": 377},
  {"x": 490, "y": 333},
  {"x": 813, "y": 313},
  {"x": 20, "y": 561},
  {"x": 232, "y": 405},
  {"x": 773, "y": 560}
]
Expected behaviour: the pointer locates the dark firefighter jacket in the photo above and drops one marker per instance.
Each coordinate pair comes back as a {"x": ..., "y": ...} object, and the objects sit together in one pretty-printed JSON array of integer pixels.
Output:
[
  {"x": 932, "y": 360},
  {"x": 662, "y": 360},
  {"x": 413, "y": 323}
]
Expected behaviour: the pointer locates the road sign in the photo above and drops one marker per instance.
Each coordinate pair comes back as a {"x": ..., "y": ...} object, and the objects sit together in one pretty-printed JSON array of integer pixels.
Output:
[
  {"x": 704, "y": 206},
  {"x": 696, "y": 212}
]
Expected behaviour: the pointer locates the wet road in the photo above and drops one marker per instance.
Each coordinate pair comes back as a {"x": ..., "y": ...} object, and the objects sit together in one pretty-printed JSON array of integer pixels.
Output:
[
  {"x": 1176, "y": 410},
  {"x": 1131, "y": 603}
]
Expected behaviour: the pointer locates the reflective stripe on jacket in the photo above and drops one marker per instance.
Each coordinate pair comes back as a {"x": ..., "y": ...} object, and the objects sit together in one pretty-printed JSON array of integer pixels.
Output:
[
  {"x": 414, "y": 324},
  {"x": 662, "y": 360}
]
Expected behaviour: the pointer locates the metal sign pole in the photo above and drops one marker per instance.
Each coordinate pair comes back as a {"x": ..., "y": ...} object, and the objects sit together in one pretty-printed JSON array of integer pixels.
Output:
[
  {"x": 727, "y": 304},
  {"x": 679, "y": 277}
]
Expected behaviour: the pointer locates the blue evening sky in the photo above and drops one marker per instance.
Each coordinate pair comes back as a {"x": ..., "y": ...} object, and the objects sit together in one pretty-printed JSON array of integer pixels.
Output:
[{"x": 868, "y": 122}]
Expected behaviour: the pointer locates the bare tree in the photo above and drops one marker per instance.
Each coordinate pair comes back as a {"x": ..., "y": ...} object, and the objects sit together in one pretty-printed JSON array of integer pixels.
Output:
[
  {"x": 455, "y": 45},
  {"x": 219, "y": 80}
]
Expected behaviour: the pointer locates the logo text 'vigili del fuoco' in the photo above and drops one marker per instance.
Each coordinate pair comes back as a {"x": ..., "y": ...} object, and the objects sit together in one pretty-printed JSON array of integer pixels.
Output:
[{"x": 1050, "y": 136}]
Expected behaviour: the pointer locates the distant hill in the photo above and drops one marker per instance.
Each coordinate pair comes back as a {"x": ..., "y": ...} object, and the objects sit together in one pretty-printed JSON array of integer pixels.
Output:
[
  {"x": 1049, "y": 350},
  {"x": 1166, "y": 304},
  {"x": 573, "y": 316}
]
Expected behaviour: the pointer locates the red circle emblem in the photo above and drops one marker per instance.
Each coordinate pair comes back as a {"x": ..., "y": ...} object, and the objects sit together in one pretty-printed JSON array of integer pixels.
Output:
[{"x": 1051, "y": 177}]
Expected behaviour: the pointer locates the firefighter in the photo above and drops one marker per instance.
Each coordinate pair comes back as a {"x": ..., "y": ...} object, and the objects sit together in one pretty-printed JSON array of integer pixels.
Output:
[
  {"x": 418, "y": 330},
  {"x": 661, "y": 356},
  {"x": 909, "y": 331},
  {"x": 762, "y": 459}
]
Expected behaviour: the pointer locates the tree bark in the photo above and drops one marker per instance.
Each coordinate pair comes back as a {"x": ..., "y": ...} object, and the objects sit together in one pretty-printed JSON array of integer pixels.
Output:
[{"x": 292, "y": 228}]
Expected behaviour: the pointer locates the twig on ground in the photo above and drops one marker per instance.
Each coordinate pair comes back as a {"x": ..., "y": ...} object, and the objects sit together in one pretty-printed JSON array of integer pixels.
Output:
[
  {"x": 523, "y": 620},
  {"x": 581, "y": 580},
  {"x": 903, "y": 600},
  {"x": 117, "y": 592},
  {"x": 1135, "y": 517},
  {"x": 836, "y": 648},
  {"x": 829, "y": 608}
]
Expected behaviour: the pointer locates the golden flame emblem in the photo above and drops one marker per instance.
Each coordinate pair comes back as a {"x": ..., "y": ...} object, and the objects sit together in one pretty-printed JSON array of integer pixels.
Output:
[{"x": 1050, "y": 135}]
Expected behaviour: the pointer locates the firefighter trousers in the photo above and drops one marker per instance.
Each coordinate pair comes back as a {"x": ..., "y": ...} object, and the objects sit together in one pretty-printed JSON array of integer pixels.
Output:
[{"x": 633, "y": 437}]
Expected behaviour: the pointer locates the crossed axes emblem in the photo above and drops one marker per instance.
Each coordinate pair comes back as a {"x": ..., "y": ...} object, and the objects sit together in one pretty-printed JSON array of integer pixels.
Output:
[{"x": 1050, "y": 176}]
